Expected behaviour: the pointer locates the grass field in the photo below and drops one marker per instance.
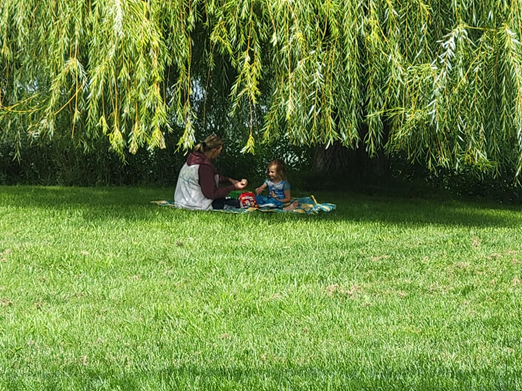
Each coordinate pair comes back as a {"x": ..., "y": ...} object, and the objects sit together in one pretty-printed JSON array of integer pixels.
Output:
[{"x": 101, "y": 290}]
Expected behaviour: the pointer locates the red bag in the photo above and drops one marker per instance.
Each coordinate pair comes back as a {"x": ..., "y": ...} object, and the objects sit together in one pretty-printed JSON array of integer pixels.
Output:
[{"x": 247, "y": 200}]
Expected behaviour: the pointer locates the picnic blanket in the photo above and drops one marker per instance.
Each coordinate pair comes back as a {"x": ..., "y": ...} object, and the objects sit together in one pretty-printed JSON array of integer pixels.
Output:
[{"x": 305, "y": 205}]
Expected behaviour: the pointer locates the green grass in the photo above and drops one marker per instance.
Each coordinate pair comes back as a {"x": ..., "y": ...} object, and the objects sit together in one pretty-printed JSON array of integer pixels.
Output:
[{"x": 101, "y": 290}]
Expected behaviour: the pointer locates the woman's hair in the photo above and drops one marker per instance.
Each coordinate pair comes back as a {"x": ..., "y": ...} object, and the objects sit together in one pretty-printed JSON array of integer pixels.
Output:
[
  {"x": 210, "y": 142},
  {"x": 280, "y": 167}
]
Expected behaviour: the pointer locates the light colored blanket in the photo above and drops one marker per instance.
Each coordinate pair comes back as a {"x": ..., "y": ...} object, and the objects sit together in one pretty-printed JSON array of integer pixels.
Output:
[{"x": 305, "y": 205}]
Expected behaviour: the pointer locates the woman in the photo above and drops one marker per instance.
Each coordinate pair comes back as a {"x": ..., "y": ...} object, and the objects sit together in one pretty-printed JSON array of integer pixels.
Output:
[{"x": 198, "y": 181}]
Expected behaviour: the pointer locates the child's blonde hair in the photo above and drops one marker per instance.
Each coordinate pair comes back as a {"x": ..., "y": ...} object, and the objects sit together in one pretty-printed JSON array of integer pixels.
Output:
[
  {"x": 211, "y": 142},
  {"x": 279, "y": 166}
]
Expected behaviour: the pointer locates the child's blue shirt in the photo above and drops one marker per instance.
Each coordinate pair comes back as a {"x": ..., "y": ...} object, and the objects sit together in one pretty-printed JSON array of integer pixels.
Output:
[{"x": 278, "y": 188}]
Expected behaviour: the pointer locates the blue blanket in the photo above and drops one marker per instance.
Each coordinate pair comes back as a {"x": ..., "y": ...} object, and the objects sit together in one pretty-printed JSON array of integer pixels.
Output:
[{"x": 305, "y": 205}]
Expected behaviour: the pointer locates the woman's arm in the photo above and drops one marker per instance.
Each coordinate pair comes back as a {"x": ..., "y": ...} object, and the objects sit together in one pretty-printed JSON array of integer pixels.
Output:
[
  {"x": 223, "y": 179},
  {"x": 208, "y": 185},
  {"x": 238, "y": 184}
]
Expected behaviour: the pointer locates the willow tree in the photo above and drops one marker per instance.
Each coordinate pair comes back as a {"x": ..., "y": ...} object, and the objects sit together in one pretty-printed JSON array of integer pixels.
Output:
[{"x": 440, "y": 80}]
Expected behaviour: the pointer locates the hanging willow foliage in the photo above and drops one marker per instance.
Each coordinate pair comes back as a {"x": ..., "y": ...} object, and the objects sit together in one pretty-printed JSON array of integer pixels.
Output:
[{"x": 438, "y": 79}]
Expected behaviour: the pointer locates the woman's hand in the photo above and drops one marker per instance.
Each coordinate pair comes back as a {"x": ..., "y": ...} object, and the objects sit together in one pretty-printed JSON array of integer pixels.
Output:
[{"x": 240, "y": 185}]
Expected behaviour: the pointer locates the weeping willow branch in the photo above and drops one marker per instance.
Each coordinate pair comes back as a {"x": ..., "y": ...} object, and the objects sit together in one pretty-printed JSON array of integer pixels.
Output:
[{"x": 438, "y": 80}]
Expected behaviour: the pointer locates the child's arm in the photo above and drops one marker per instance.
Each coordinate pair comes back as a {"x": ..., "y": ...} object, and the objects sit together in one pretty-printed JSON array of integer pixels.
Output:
[
  {"x": 286, "y": 191},
  {"x": 260, "y": 189},
  {"x": 288, "y": 197}
]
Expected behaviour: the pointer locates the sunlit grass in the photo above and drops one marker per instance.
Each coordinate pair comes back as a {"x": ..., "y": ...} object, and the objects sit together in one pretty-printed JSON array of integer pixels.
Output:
[{"x": 99, "y": 289}]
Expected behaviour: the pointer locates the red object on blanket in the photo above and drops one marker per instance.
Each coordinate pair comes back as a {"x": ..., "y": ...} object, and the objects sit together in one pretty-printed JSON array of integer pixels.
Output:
[{"x": 247, "y": 200}]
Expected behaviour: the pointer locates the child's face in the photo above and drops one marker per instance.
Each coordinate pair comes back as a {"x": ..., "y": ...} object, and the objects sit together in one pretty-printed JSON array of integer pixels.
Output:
[{"x": 272, "y": 173}]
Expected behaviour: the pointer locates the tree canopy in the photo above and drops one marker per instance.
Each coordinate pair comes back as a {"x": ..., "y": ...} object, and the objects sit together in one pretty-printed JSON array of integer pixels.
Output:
[{"x": 439, "y": 80}]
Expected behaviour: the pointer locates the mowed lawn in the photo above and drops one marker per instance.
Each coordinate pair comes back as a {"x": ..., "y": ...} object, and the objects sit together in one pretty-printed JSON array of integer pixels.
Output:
[{"x": 101, "y": 290}]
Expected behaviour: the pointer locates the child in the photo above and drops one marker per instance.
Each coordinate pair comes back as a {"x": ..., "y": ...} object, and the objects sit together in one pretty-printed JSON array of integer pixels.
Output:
[{"x": 278, "y": 188}]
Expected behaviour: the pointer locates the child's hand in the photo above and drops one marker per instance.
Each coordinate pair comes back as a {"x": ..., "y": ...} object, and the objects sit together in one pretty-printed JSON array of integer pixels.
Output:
[
  {"x": 273, "y": 195},
  {"x": 258, "y": 190}
]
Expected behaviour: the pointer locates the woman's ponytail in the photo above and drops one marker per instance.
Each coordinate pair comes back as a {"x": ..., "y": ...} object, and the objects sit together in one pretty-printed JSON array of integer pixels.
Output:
[
  {"x": 210, "y": 142},
  {"x": 201, "y": 147}
]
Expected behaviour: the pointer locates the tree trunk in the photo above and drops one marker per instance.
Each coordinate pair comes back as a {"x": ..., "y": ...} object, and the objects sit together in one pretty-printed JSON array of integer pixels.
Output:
[{"x": 349, "y": 166}]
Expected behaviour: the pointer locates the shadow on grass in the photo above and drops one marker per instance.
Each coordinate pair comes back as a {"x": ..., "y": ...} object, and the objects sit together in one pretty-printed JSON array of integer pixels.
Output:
[
  {"x": 95, "y": 204},
  {"x": 399, "y": 211},
  {"x": 99, "y": 204},
  {"x": 407, "y": 211}
]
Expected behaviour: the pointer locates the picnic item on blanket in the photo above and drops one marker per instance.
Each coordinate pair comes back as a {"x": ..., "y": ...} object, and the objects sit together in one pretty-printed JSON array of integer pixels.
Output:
[
  {"x": 305, "y": 205},
  {"x": 309, "y": 205},
  {"x": 235, "y": 194},
  {"x": 247, "y": 200}
]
